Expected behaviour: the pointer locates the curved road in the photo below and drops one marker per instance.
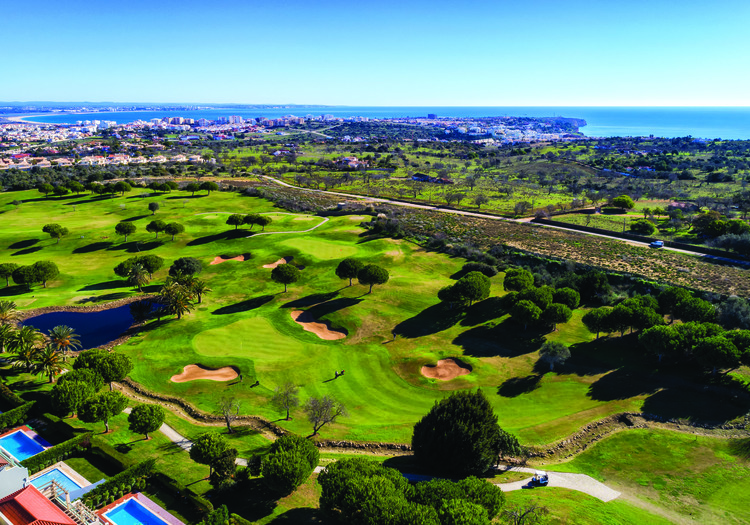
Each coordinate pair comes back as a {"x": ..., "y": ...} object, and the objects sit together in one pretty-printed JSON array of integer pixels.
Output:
[{"x": 496, "y": 218}]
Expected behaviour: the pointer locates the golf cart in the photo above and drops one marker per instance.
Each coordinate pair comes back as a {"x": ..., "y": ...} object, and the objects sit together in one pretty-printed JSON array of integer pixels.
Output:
[{"x": 540, "y": 479}]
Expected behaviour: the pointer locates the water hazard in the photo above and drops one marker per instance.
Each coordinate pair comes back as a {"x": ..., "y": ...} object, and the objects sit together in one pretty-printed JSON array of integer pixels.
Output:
[{"x": 93, "y": 328}]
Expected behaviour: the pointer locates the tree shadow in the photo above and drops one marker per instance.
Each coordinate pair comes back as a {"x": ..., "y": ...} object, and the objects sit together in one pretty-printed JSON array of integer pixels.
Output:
[
  {"x": 740, "y": 448},
  {"x": 107, "y": 285},
  {"x": 230, "y": 234},
  {"x": 23, "y": 244},
  {"x": 310, "y": 300},
  {"x": 136, "y": 246},
  {"x": 251, "y": 499},
  {"x": 429, "y": 321},
  {"x": 93, "y": 247},
  {"x": 136, "y": 218},
  {"x": 322, "y": 309},
  {"x": 506, "y": 339},
  {"x": 484, "y": 311},
  {"x": 515, "y": 386},
  {"x": 625, "y": 383},
  {"x": 300, "y": 516},
  {"x": 27, "y": 251},
  {"x": 244, "y": 306},
  {"x": 17, "y": 289},
  {"x": 695, "y": 404}
]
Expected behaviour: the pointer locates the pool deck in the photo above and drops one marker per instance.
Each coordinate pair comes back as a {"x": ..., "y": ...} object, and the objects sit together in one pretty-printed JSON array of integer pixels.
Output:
[
  {"x": 143, "y": 500},
  {"x": 65, "y": 469}
]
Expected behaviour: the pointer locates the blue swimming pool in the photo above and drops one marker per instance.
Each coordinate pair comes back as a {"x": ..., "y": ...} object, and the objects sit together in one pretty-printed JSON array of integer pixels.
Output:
[
  {"x": 20, "y": 446},
  {"x": 133, "y": 513},
  {"x": 59, "y": 476}
]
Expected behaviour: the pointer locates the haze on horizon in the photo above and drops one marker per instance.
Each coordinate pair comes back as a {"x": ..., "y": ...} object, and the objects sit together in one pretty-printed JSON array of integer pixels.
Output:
[{"x": 418, "y": 53}]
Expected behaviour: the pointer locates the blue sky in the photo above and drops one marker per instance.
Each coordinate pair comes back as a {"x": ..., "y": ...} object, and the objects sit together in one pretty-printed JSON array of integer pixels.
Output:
[{"x": 422, "y": 53}]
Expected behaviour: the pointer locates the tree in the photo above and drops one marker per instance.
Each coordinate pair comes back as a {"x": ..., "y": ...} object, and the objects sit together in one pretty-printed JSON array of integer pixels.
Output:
[
  {"x": 138, "y": 276},
  {"x": 236, "y": 220},
  {"x": 146, "y": 418},
  {"x": 229, "y": 409},
  {"x": 192, "y": 187},
  {"x": 480, "y": 199},
  {"x": 460, "y": 436},
  {"x": 285, "y": 398},
  {"x": 174, "y": 228},
  {"x": 554, "y": 352},
  {"x": 264, "y": 221},
  {"x": 434, "y": 492},
  {"x": 517, "y": 279},
  {"x": 122, "y": 187},
  {"x": 642, "y": 227},
  {"x": 289, "y": 463},
  {"x": 461, "y": 512},
  {"x": 528, "y": 514},
  {"x": 555, "y": 314},
  {"x": 474, "y": 286},
  {"x": 186, "y": 266},
  {"x": 209, "y": 186},
  {"x": 48, "y": 362},
  {"x": 68, "y": 396},
  {"x": 45, "y": 271},
  {"x": 223, "y": 468},
  {"x": 593, "y": 284},
  {"x": 624, "y": 202},
  {"x": 46, "y": 189},
  {"x": 7, "y": 332},
  {"x": 207, "y": 448},
  {"x": 8, "y": 312},
  {"x": 125, "y": 228},
  {"x": 156, "y": 227},
  {"x": 64, "y": 338},
  {"x": 25, "y": 275},
  {"x": 670, "y": 297},
  {"x": 6, "y": 271},
  {"x": 323, "y": 410},
  {"x": 177, "y": 299},
  {"x": 695, "y": 309},
  {"x": 717, "y": 352},
  {"x": 285, "y": 274},
  {"x": 526, "y": 313},
  {"x": 371, "y": 275},
  {"x": 59, "y": 191},
  {"x": 542, "y": 296},
  {"x": 349, "y": 268},
  {"x": 83, "y": 375},
  {"x": 199, "y": 288},
  {"x": 102, "y": 407},
  {"x": 733, "y": 313},
  {"x": 55, "y": 231},
  {"x": 151, "y": 263},
  {"x": 661, "y": 341},
  {"x": 567, "y": 296},
  {"x": 112, "y": 366}
]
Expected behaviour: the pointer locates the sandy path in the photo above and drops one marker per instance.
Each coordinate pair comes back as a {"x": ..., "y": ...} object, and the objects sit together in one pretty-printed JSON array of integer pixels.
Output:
[
  {"x": 566, "y": 480},
  {"x": 445, "y": 370},
  {"x": 193, "y": 372},
  {"x": 321, "y": 329}
]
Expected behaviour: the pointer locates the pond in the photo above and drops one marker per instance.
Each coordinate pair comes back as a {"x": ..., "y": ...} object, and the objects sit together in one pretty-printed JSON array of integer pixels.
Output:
[{"x": 94, "y": 329}]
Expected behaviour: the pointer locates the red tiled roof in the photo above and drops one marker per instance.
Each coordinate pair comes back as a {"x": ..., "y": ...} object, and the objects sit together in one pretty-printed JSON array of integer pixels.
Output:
[{"x": 29, "y": 507}]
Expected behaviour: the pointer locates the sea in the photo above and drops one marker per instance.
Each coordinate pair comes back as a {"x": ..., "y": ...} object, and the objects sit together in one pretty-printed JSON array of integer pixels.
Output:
[{"x": 697, "y": 122}]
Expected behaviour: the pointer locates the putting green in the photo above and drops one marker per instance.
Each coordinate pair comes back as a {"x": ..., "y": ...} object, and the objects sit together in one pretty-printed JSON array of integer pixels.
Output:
[
  {"x": 320, "y": 250},
  {"x": 253, "y": 338}
]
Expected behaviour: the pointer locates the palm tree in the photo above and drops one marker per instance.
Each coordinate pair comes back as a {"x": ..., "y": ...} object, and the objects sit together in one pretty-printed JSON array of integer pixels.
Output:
[
  {"x": 8, "y": 312},
  {"x": 199, "y": 288},
  {"x": 177, "y": 299},
  {"x": 63, "y": 338},
  {"x": 27, "y": 336},
  {"x": 24, "y": 357},
  {"x": 7, "y": 333},
  {"x": 48, "y": 362},
  {"x": 138, "y": 276}
]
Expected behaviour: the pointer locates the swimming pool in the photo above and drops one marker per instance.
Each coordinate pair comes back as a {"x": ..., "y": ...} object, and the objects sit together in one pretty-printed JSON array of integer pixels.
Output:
[
  {"x": 59, "y": 476},
  {"x": 20, "y": 445},
  {"x": 133, "y": 513}
]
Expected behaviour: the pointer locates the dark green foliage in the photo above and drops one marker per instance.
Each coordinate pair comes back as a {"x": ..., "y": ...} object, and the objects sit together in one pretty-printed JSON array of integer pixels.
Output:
[
  {"x": 733, "y": 313},
  {"x": 112, "y": 366},
  {"x": 174, "y": 228},
  {"x": 717, "y": 352},
  {"x": 223, "y": 468},
  {"x": 54, "y": 454},
  {"x": 624, "y": 202},
  {"x": 662, "y": 341},
  {"x": 517, "y": 279},
  {"x": 460, "y": 436},
  {"x": 125, "y": 228},
  {"x": 126, "y": 478},
  {"x": 45, "y": 271},
  {"x": 9, "y": 397},
  {"x": 153, "y": 207},
  {"x": 285, "y": 274},
  {"x": 146, "y": 418},
  {"x": 25, "y": 275},
  {"x": 16, "y": 415},
  {"x": 348, "y": 269},
  {"x": 474, "y": 490},
  {"x": 236, "y": 220},
  {"x": 696, "y": 310},
  {"x": 461, "y": 512},
  {"x": 593, "y": 284},
  {"x": 526, "y": 313},
  {"x": 218, "y": 516},
  {"x": 156, "y": 227},
  {"x": 554, "y": 352},
  {"x": 542, "y": 296},
  {"x": 567, "y": 296},
  {"x": 595, "y": 320},
  {"x": 55, "y": 231},
  {"x": 69, "y": 396},
  {"x": 102, "y": 407},
  {"x": 209, "y": 186},
  {"x": 289, "y": 463},
  {"x": 669, "y": 298},
  {"x": 207, "y": 448},
  {"x": 185, "y": 266},
  {"x": 642, "y": 227},
  {"x": 6, "y": 271},
  {"x": 485, "y": 269},
  {"x": 371, "y": 275},
  {"x": 150, "y": 263},
  {"x": 83, "y": 375},
  {"x": 264, "y": 221}
]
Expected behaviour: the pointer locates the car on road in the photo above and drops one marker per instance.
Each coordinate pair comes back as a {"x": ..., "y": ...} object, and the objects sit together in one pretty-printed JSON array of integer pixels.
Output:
[{"x": 657, "y": 244}]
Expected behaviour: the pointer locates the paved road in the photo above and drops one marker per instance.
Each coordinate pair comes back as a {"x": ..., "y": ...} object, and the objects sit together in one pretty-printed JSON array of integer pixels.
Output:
[
  {"x": 567, "y": 480},
  {"x": 496, "y": 218}
]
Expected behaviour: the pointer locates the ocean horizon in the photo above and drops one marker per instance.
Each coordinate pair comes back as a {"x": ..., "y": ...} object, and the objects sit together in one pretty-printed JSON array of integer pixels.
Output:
[{"x": 729, "y": 123}]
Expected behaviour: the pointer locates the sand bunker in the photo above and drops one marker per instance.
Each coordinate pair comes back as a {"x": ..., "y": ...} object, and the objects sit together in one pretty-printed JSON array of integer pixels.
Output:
[
  {"x": 193, "y": 372},
  {"x": 221, "y": 258},
  {"x": 446, "y": 369},
  {"x": 283, "y": 260},
  {"x": 319, "y": 328}
]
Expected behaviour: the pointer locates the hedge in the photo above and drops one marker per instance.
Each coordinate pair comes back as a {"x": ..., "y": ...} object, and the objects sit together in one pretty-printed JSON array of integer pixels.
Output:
[
  {"x": 9, "y": 396},
  {"x": 120, "y": 484},
  {"x": 236, "y": 519},
  {"x": 200, "y": 504},
  {"x": 56, "y": 453},
  {"x": 12, "y": 417}
]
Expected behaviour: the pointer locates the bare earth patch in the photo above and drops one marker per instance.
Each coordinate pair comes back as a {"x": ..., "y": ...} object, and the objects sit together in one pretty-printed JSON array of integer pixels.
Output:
[
  {"x": 193, "y": 372},
  {"x": 220, "y": 259},
  {"x": 319, "y": 328},
  {"x": 283, "y": 260},
  {"x": 446, "y": 369}
]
